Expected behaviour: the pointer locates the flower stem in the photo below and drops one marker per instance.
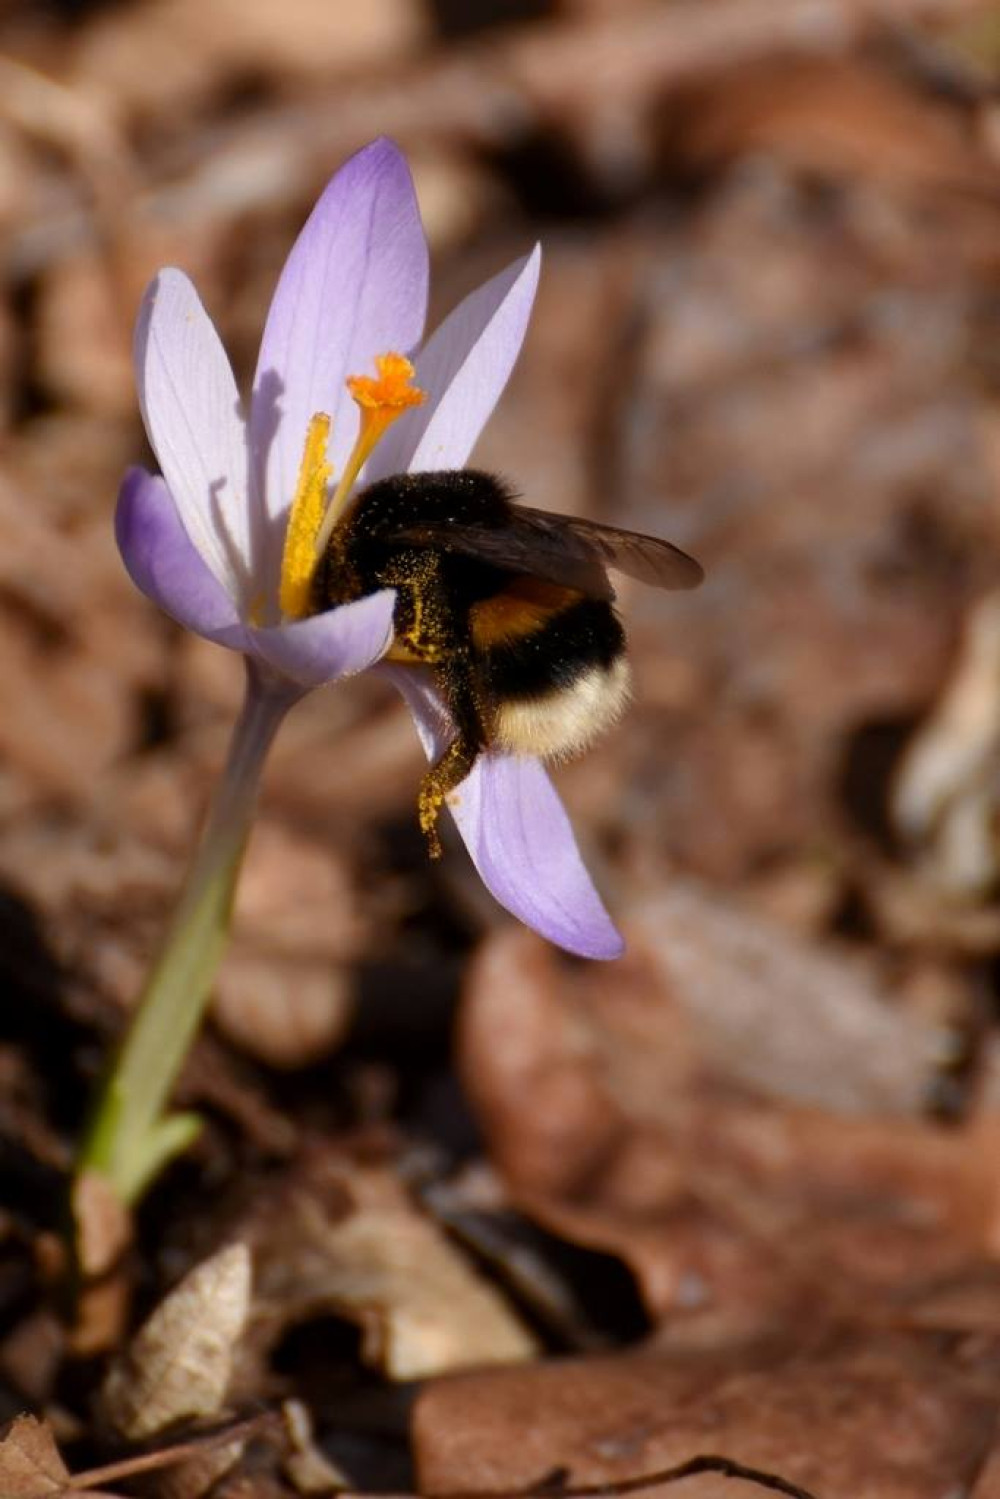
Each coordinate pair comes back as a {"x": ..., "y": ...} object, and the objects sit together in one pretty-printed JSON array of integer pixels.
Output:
[{"x": 131, "y": 1137}]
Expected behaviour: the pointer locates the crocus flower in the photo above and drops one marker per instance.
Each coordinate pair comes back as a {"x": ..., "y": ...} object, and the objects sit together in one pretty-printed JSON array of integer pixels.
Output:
[
  {"x": 224, "y": 542},
  {"x": 206, "y": 541}
]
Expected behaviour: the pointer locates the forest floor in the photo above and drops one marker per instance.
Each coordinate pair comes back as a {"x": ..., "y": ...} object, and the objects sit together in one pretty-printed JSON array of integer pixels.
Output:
[{"x": 519, "y": 1224}]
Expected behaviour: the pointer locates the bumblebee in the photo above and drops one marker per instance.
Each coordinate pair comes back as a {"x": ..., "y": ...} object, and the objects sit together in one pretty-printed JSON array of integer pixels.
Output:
[{"x": 509, "y": 608}]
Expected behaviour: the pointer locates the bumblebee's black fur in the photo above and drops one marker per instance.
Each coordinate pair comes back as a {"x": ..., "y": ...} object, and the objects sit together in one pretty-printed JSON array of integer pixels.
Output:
[{"x": 371, "y": 555}]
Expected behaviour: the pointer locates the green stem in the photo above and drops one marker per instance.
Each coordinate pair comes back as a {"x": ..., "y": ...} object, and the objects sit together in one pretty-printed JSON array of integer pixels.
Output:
[{"x": 131, "y": 1137}]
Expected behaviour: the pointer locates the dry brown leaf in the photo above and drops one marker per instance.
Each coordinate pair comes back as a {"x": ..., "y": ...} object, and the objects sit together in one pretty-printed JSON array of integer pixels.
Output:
[
  {"x": 180, "y": 1362},
  {"x": 736, "y": 1215},
  {"x": 835, "y": 116},
  {"x": 83, "y": 337},
  {"x": 297, "y": 896},
  {"x": 30, "y": 1465},
  {"x": 987, "y": 1485},
  {"x": 286, "y": 1013},
  {"x": 900, "y": 1418},
  {"x": 781, "y": 1015},
  {"x": 283, "y": 993},
  {"x": 199, "y": 48},
  {"x": 346, "y": 1238}
]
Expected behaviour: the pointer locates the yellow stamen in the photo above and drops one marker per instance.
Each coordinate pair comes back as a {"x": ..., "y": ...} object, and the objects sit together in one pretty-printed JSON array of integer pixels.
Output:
[
  {"x": 305, "y": 521},
  {"x": 381, "y": 399}
]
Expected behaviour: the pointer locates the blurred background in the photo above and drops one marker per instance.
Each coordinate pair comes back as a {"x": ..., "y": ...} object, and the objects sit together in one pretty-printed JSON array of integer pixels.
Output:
[{"x": 768, "y": 330}]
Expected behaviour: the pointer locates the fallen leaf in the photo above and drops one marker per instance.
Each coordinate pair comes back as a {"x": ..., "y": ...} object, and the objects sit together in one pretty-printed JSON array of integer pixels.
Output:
[
  {"x": 180, "y": 1362},
  {"x": 779, "y": 1014},
  {"x": 834, "y": 117},
  {"x": 284, "y": 993},
  {"x": 30, "y": 1465},
  {"x": 286, "y": 1012},
  {"x": 738, "y": 1214},
  {"x": 897, "y": 1418},
  {"x": 345, "y": 1237}
]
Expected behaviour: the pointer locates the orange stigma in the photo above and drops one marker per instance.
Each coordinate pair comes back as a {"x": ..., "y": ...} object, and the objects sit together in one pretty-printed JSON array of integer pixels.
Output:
[{"x": 390, "y": 392}]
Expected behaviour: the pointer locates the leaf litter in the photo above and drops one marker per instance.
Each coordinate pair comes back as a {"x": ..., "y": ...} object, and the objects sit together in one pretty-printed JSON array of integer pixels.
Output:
[{"x": 702, "y": 1204}]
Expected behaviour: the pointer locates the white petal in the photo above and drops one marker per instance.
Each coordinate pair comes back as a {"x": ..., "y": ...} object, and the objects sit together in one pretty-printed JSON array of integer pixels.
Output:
[
  {"x": 354, "y": 285},
  {"x": 191, "y": 409},
  {"x": 463, "y": 367}
]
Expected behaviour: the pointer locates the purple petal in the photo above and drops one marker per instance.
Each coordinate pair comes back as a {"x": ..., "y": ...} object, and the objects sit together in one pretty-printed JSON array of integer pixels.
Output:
[
  {"x": 463, "y": 367},
  {"x": 517, "y": 832},
  {"x": 163, "y": 563},
  {"x": 191, "y": 409},
  {"x": 336, "y": 644},
  {"x": 354, "y": 285}
]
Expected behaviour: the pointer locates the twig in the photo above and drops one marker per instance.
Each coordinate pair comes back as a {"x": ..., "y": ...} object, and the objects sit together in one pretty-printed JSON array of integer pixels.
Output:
[
  {"x": 552, "y": 1487},
  {"x": 166, "y": 1457},
  {"x": 614, "y": 1488},
  {"x": 703, "y": 1463}
]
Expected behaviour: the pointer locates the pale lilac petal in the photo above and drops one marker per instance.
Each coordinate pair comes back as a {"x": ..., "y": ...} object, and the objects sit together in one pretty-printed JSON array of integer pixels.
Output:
[
  {"x": 163, "y": 563},
  {"x": 191, "y": 409},
  {"x": 521, "y": 841},
  {"x": 463, "y": 368},
  {"x": 519, "y": 837},
  {"x": 354, "y": 285},
  {"x": 336, "y": 644}
]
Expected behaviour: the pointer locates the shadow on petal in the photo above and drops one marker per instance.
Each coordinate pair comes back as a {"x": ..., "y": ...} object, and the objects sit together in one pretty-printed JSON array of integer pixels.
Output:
[{"x": 192, "y": 413}]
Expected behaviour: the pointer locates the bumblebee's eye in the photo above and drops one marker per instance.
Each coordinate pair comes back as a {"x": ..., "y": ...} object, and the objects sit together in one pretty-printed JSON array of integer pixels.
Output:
[{"x": 381, "y": 399}]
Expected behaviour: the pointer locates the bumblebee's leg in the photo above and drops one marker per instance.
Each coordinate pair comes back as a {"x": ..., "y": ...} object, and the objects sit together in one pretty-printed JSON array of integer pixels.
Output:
[
  {"x": 457, "y": 686},
  {"x": 425, "y": 628}
]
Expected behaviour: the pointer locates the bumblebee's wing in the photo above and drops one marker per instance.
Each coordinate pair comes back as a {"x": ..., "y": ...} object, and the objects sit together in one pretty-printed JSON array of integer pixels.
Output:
[
  {"x": 529, "y": 542},
  {"x": 649, "y": 559},
  {"x": 565, "y": 549}
]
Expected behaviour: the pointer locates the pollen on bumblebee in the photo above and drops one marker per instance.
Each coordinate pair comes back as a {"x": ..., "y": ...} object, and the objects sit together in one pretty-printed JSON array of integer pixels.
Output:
[{"x": 430, "y": 801}]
